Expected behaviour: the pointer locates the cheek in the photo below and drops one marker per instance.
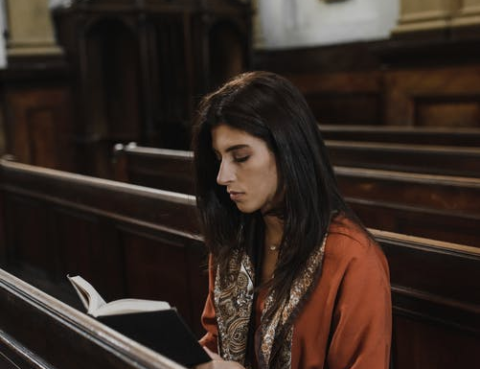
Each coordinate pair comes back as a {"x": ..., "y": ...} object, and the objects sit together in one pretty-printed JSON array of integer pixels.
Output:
[{"x": 267, "y": 181}]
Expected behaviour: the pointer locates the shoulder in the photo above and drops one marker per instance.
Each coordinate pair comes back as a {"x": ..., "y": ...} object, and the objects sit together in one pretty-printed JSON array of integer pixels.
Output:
[
  {"x": 349, "y": 244},
  {"x": 346, "y": 236}
]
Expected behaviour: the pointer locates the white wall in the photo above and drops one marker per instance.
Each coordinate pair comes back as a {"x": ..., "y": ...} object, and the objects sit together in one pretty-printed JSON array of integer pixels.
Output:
[
  {"x": 57, "y": 3},
  {"x": 300, "y": 23},
  {"x": 3, "y": 46}
]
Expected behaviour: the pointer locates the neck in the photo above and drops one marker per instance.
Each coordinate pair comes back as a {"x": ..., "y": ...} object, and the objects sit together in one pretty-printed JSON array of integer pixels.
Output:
[{"x": 273, "y": 230}]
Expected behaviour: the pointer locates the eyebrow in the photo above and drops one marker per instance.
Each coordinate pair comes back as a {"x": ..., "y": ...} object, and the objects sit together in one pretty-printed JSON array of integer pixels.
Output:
[
  {"x": 236, "y": 147},
  {"x": 233, "y": 148}
]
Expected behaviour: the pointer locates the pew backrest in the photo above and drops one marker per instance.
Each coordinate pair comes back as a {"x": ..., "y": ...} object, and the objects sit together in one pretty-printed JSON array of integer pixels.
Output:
[
  {"x": 436, "y": 302},
  {"x": 445, "y": 136},
  {"x": 426, "y": 159},
  {"x": 427, "y": 205},
  {"x": 128, "y": 240},
  {"x": 38, "y": 331}
]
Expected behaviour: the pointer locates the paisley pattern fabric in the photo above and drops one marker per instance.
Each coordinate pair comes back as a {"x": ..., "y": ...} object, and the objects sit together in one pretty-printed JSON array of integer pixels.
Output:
[{"x": 233, "y": 299}]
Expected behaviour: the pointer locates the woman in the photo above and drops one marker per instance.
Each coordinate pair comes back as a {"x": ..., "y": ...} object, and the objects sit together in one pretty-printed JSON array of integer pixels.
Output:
[{"x": 295, "y": 280}]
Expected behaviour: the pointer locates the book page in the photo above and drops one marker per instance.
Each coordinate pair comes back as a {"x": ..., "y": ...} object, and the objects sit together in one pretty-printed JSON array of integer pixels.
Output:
[
  {"x": 126, "y": 306},
  {"x": 91, "y": 299}
]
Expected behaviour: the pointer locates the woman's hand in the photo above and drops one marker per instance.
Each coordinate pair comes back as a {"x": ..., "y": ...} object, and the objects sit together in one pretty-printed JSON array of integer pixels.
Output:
[{"x": 218, "y": 363}]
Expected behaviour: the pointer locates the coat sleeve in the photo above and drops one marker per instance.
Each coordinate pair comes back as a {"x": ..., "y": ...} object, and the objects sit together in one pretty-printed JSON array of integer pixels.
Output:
[
  {"x": 362, "y": 318},
  {"x": 209, "y": 319}
]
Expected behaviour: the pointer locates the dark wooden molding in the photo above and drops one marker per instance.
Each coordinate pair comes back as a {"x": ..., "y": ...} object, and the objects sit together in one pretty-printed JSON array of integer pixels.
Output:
[
  {"x": 33, "y": 69},
  {"x": 334, "y": 58},
  {"x": 433, "y": 48}
]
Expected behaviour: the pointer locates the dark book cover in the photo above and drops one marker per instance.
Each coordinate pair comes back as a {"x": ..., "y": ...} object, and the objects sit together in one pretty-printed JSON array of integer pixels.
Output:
[{"x": 162, "y": 331}]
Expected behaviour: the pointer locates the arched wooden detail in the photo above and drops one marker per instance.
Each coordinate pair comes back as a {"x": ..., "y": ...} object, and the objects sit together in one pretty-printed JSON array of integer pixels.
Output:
[
  {"x": 111, "y": 79},
  {"x": 227, "y": 52},
  {"x": 171, "y": 82}
]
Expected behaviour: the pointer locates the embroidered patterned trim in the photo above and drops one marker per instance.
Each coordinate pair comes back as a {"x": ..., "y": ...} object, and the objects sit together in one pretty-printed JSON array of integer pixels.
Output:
[
  {"x": 233, "y": 299},
  {"x": 233, "y": 303},
  {"x": 283, "y": 318}
]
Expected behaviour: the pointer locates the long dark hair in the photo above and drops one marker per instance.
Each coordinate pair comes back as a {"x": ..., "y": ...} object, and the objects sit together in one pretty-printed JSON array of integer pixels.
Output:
[{"x": 269, "y": 107}]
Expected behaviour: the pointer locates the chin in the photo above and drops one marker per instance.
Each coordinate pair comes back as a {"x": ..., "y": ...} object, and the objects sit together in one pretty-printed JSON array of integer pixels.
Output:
[{"x": 246, "y": 209}]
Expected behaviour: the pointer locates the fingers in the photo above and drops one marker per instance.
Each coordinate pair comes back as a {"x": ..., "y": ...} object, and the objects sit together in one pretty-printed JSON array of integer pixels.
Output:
[
  {"x": 213, "y": 355},
  {"x": 217, "y": 362}
]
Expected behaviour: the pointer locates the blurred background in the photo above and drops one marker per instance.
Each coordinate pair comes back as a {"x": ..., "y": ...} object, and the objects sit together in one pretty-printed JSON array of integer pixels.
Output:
[{"x": 79, "y": 76}]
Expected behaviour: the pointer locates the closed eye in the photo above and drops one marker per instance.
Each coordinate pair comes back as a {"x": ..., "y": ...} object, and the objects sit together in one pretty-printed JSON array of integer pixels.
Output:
[{"x": 241, "y": 159}]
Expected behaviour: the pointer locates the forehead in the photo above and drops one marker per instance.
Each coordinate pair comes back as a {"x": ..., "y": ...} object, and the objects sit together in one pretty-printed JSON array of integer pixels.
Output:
[{"x": 225, "y": 137}]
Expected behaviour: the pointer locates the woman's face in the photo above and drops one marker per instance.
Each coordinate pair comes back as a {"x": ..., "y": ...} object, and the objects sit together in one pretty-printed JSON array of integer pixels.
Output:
[{"x": 247, "y": 168}]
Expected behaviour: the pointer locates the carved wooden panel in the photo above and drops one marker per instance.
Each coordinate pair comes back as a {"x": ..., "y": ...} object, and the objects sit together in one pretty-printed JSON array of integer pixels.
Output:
[
  {"x": 38, "y": 126},
  {"x": 447, "y": 96},
  {"x": 450, "y": 111},
  {"x": 343, "y": 98}
]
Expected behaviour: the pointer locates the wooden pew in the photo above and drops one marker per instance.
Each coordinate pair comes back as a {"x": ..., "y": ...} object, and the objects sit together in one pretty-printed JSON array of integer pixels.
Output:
[
  {"x": 38, "y": 331},
  {"x": 436, "y": 302},
  {"x": 433, "y": 206},
  {"x": 438, "y": 207},
  {"x": 434, "y": 284},
  {"x": 444, "y": 136},
  {"x": 149, "y": 166},
  {"x": 129, "y": 241},
  {"x": 428, "y": 159}
]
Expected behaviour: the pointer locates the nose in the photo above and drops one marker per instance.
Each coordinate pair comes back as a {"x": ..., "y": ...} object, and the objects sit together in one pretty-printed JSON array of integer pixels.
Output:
[{"x": 225, "y": 174}]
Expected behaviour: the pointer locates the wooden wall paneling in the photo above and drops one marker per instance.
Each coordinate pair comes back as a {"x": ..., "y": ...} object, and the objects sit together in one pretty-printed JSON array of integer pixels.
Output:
[
  {"x": 442, "y": 96},
  {"x": 425, "y": 78},
  {"x": 139, "y": 71},
  {"x": 111, "y": 78},
  {"x": 228, "y": 52},
  {"x": 454, "y": 111},
  {"x": 343, "y": 97},
  {"x": 171, "y": 87},
  {"x": 38, "y": 129}
]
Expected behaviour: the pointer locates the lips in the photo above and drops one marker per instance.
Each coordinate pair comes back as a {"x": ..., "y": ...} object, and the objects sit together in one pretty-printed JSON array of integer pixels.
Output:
[{"x": 234, "y": 196}]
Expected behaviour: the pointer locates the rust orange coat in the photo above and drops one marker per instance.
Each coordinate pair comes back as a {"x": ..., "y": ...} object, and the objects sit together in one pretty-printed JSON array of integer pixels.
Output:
[{"x": 347, "y": 321}]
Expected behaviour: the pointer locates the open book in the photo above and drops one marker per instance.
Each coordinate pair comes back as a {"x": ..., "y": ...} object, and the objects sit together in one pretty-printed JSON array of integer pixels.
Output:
[
  {"x": 96, "y": 305},
  {"x": 152, "y": 323}
]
